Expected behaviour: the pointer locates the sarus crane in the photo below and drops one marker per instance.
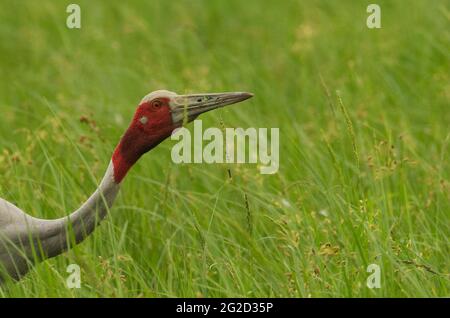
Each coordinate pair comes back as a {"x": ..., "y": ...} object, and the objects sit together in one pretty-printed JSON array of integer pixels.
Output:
[{"x": 25, "y": 240}]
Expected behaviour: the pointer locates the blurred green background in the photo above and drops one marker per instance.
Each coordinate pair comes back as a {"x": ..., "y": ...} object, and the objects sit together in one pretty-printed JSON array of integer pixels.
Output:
[{"x": 364, "y": 145}]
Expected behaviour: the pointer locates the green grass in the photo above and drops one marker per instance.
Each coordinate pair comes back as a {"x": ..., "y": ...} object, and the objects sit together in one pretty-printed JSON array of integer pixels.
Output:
[{"x": 364, "y": 146}]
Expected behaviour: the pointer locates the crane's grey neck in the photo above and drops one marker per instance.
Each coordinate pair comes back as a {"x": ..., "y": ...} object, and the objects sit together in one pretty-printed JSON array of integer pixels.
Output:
[
  {"x": 59, "y": 234},
  {"x": 25, "y": 240}
]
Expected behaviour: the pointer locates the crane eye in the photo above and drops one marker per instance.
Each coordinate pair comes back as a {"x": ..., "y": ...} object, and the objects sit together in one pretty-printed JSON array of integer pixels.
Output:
[{"x": 156, "y": 104}]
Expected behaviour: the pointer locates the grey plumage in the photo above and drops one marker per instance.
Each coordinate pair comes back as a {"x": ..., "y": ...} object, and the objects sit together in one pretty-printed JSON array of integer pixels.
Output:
[{"x": 25, "y": 240}]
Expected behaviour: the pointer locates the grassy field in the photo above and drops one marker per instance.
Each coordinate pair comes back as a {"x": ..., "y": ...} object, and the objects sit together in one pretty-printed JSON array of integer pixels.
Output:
[{"x": 364, "y": 123}]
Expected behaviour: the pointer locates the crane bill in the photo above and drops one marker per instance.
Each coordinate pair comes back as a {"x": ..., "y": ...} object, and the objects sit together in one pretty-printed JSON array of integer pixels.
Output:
[{"x": 186, "y": 108}]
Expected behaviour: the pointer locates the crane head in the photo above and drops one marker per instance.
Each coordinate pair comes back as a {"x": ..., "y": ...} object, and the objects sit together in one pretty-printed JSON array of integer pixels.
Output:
[
  {"x": 158, "y": 114},
  {"x": 175, "y": 110}
]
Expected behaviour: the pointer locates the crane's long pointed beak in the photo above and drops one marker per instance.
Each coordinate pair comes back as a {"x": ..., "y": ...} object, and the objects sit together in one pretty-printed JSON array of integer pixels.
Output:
[{"x": 186, "y": 108}]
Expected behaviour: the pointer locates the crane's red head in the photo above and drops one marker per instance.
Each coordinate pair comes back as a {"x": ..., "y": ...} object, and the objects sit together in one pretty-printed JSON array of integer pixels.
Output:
[{"x": 157, "y": 116}]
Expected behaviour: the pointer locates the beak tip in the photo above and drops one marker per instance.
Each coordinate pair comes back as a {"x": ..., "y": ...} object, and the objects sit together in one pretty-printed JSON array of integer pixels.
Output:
[{"x": 248, "y": 95}]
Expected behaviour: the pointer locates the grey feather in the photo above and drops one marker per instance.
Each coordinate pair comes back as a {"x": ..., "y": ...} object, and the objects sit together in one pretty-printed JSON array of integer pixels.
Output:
[{"x": 25, "y": 240}]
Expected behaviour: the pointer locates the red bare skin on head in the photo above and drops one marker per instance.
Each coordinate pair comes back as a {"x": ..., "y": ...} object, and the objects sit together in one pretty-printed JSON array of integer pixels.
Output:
[{"x": 151, "y": 124}]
